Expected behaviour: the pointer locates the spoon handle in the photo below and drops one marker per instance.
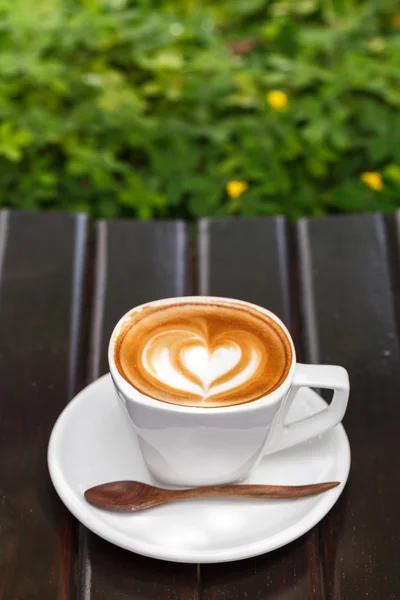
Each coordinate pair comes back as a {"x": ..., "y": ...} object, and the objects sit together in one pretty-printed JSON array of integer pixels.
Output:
[{"x": 254, "y": 491}]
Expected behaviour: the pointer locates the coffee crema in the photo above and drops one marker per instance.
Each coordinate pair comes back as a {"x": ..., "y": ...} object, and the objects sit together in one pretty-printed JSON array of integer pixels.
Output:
[{"x": 202, "y": 353}]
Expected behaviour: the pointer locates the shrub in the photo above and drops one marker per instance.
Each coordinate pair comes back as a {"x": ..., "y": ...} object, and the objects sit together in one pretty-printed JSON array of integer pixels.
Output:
[{"x": 195, "y": 107}]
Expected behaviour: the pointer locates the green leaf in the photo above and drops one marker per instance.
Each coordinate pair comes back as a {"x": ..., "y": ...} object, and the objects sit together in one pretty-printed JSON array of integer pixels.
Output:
[{"x": 392, "y": 172}]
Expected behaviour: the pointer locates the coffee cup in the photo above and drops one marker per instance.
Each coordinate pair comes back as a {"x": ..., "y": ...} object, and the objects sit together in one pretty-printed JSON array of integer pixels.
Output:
[{"x": 205, "y": 412}]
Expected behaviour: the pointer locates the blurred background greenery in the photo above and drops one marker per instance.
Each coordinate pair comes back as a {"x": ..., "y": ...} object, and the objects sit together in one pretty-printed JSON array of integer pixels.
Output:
[{"x": 200, "y": 107}]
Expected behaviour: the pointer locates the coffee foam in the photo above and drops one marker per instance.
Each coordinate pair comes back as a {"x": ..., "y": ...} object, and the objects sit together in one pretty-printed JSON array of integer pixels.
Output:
[{"x": 206, "y": 354}]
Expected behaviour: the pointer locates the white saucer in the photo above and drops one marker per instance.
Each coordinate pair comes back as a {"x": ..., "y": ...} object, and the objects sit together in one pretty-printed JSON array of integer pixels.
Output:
[{"x": 93, "y": 442}]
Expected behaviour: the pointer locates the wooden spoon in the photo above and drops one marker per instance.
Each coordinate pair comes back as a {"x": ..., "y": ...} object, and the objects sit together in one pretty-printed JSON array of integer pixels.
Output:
[{"x": 130, "y": 496}]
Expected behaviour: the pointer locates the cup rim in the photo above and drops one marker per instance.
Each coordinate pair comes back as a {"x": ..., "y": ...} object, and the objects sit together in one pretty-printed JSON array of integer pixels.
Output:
[{"x": 132, "y": 394}]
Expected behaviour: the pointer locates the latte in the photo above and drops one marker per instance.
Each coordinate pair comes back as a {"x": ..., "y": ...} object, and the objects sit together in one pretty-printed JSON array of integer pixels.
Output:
[{"x": 202, "y": 353}]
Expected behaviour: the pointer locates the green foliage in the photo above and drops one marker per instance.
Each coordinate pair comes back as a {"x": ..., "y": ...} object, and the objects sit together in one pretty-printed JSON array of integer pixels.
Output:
[{"x": 148, "y": 109}]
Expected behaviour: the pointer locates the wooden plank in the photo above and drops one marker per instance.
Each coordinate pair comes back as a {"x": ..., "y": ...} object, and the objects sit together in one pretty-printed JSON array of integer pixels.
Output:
[
  {"x": 249, "y": 259},
  {"x": 135, "y": 262},
  {"x": 246, "y": 259},
  {"x": 349, "y": 319},
  {"x": 42, "y": 258}
]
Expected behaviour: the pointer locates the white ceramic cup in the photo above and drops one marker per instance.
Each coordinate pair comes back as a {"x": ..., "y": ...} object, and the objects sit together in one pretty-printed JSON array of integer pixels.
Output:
[{"x": 189, "y": 446}]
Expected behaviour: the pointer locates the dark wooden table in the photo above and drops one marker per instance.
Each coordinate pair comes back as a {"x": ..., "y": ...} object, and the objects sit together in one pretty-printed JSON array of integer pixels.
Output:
[{"x": 334, "y": 281}]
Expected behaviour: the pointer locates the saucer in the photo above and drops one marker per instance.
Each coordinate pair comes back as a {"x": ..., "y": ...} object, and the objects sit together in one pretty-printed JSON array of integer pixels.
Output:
[{"x": 93, "y": 442}]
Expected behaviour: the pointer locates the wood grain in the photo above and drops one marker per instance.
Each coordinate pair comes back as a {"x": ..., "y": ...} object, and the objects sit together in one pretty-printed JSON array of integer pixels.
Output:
[
  {"x": 41, "y": 271},
  {"x": 348, "y": 276},
  {"x": 134, "y": 263},
  {"x": 349, "y": 319}
]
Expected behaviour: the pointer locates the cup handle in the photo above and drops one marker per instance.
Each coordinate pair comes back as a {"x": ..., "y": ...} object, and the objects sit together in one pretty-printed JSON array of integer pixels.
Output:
[{"x": 318, "y": 376}]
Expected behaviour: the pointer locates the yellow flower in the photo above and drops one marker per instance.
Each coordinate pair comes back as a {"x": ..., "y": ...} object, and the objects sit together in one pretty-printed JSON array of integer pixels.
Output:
[
  {"x": 373, "y": 180},
  {"x": 277, "y": 99},
  {"x": 236, "y": 188}
]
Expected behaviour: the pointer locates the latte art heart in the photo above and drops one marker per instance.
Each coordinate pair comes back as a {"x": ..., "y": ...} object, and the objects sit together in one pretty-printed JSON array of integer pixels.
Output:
[
  {"x": 202, "y": 354},
  {"x": 208, "y": 366},
  {"x": 182, "y": 360}
]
